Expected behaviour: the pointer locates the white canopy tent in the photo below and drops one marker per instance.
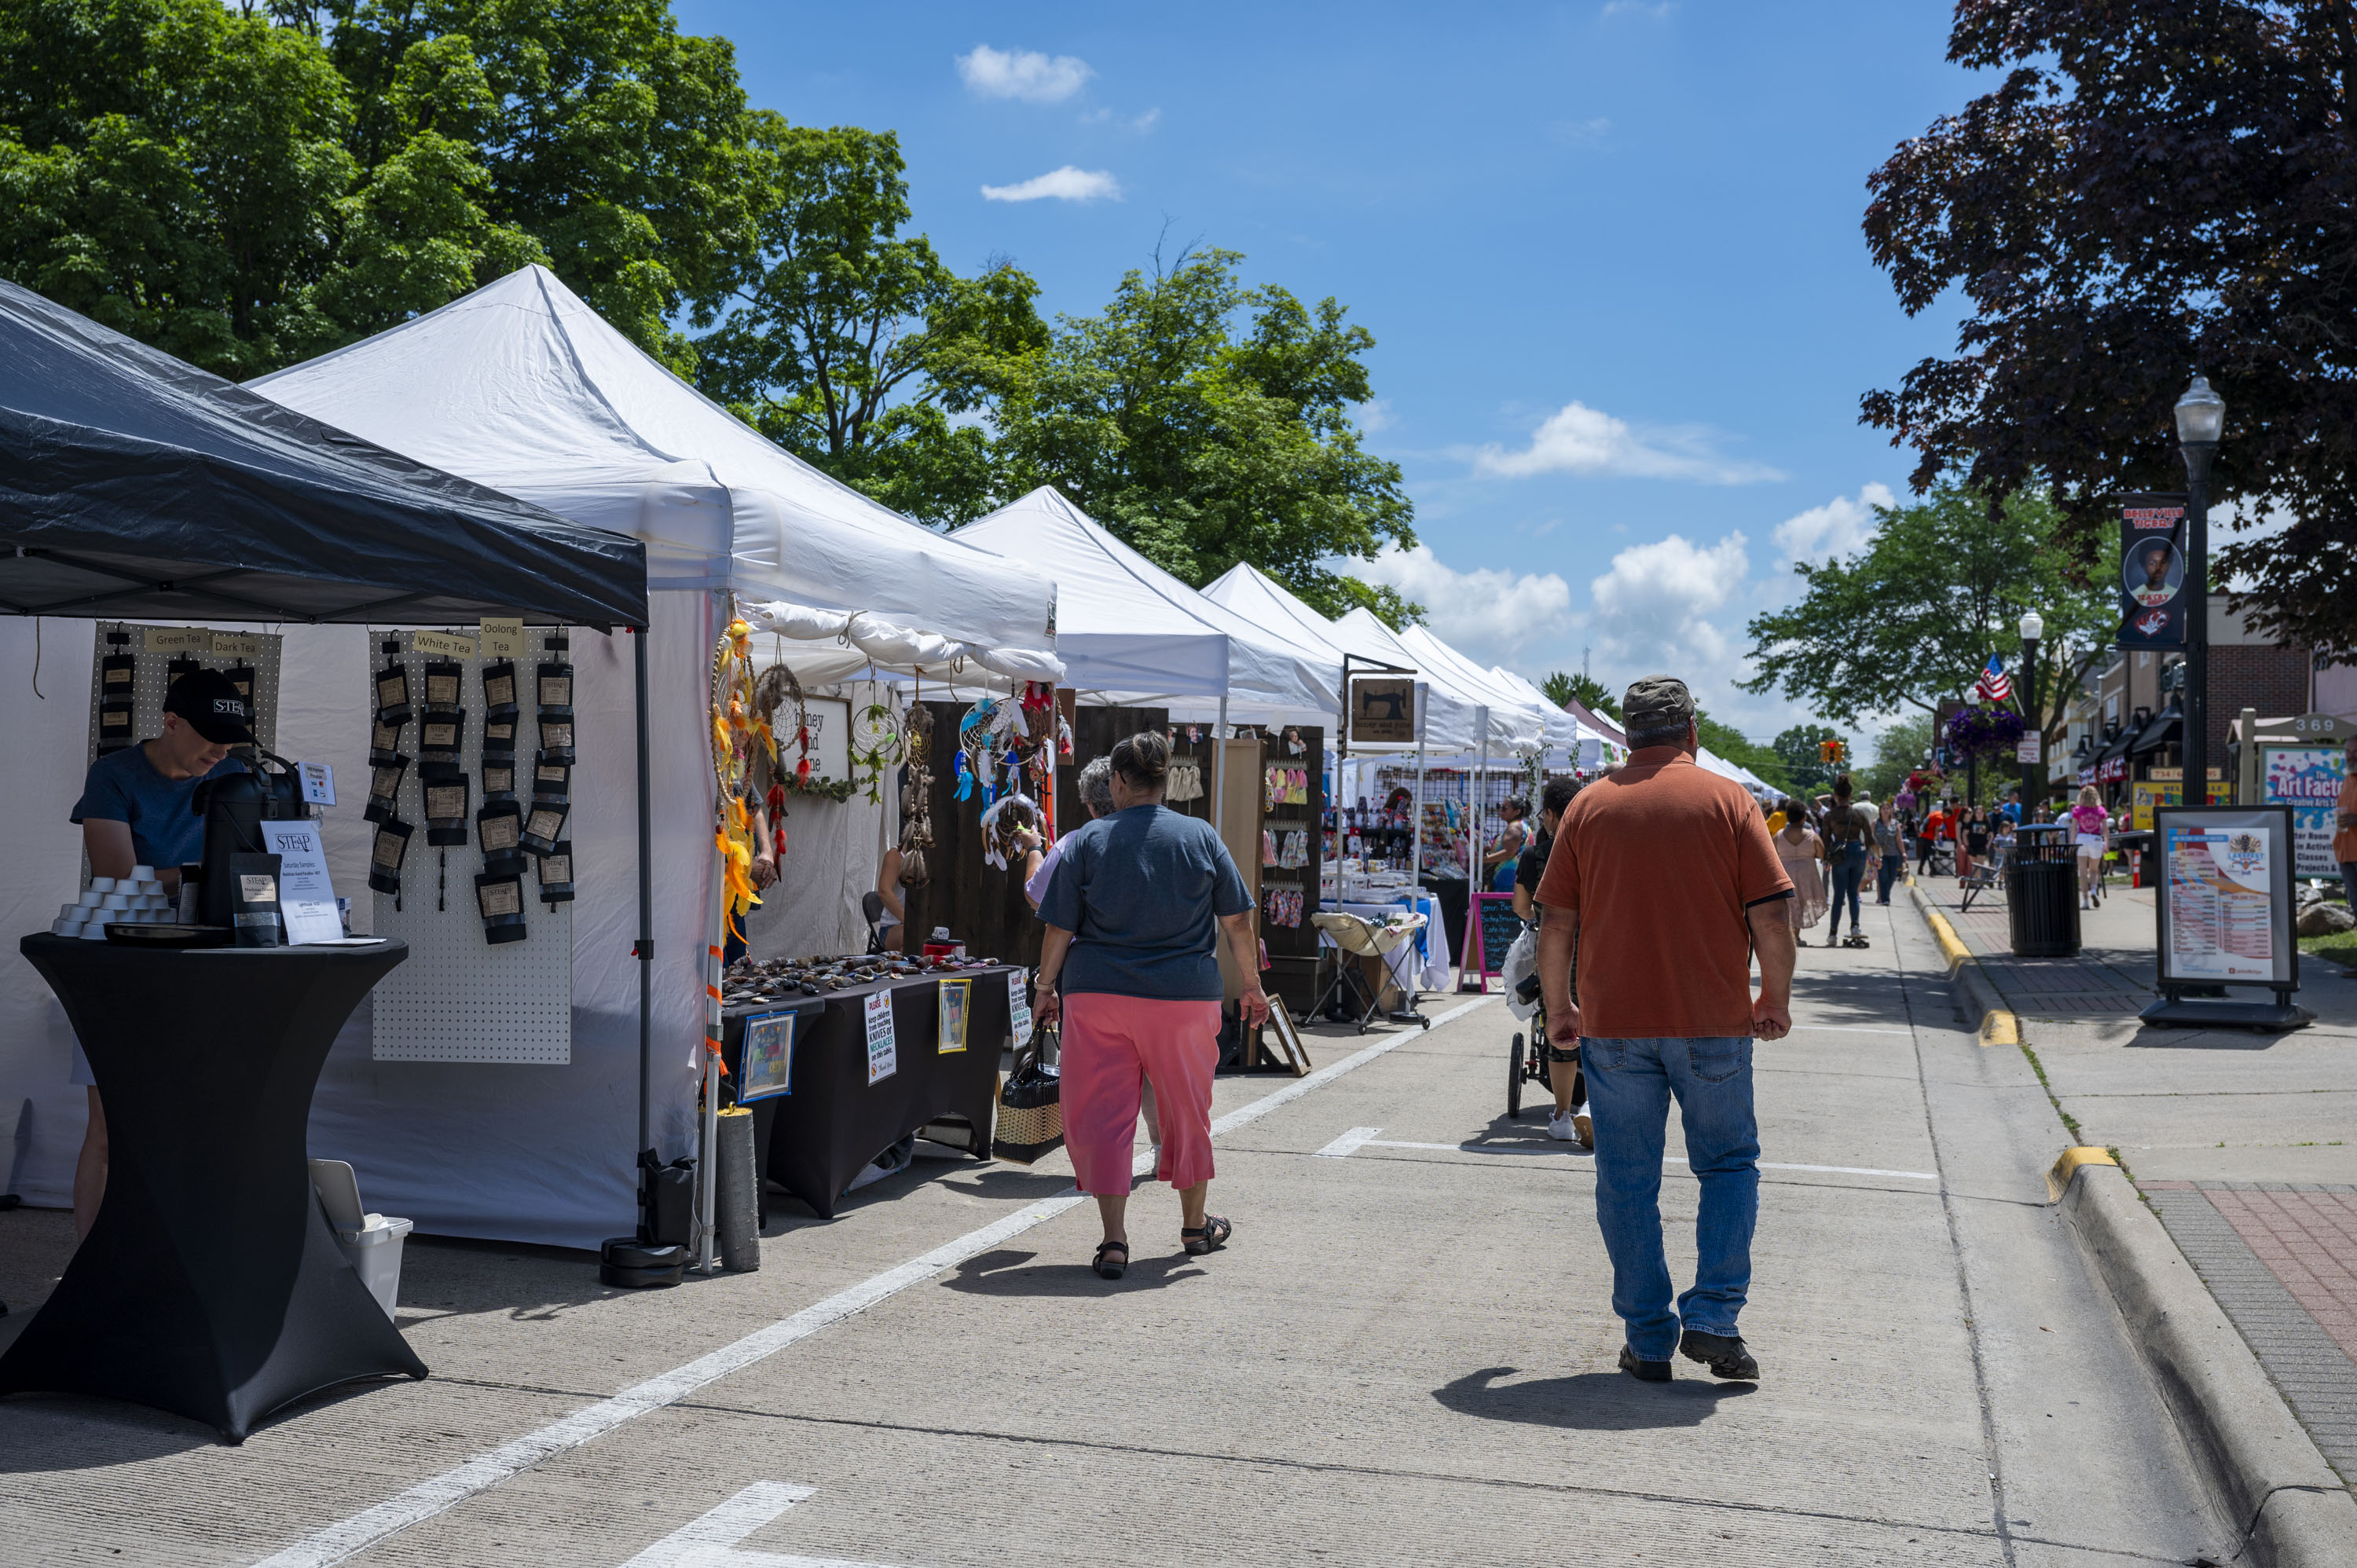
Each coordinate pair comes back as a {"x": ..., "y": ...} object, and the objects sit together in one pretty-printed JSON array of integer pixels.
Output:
[
  {"x": 1131, "y": 633},
  {"x": 1566, "y": 734},
  {"x": 521, "y": 386},
  {"x": 1517, "y": 723}
]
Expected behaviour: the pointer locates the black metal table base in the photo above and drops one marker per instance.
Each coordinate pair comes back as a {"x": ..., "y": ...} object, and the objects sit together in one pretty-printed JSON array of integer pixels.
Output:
[
  {"x": 211, "y": 1285},
  {"x": 2277, "y": 1016}
]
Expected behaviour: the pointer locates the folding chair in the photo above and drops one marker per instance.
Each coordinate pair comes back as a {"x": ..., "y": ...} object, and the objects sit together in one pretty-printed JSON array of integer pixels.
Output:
[
  {"x": 1355, "y": 938},
  {"x": 871, "y": 903}
]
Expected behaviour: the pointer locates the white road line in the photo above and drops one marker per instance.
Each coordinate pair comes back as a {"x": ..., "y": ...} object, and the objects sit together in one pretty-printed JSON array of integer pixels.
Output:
[
  {"x": 1341, "y": 1147},
  {"x": 710, "y": 1541},
  {"x": 1338, "y": 1146},
  {"x": 444, "y": 1491}
]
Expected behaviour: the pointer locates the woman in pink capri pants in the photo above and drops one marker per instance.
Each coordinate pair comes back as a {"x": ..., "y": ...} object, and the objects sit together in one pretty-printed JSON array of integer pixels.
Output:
[{"x": 1135, "y": 914}]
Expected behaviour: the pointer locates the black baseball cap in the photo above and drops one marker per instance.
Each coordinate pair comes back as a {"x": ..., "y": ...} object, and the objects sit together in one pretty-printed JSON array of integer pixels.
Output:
[{"x": 212, "y": 708}]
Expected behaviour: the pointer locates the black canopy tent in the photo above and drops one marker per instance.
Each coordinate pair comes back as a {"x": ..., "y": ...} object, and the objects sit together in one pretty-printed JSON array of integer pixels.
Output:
[{"x": 134, "y": 486}]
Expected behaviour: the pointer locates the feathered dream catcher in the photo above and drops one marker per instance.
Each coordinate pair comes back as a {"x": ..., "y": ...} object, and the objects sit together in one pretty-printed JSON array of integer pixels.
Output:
[
  {"x": 776, "y": 686},
  {"x": 1007, "y": 817},
  {"x": 737, "y": 728},
  {"x": 876, "y": 744},
  {"x": 916, "y": 796}
]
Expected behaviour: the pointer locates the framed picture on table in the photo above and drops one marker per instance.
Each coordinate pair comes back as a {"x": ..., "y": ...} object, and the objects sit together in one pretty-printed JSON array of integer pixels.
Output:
[{"x": 768, "y": 1063}]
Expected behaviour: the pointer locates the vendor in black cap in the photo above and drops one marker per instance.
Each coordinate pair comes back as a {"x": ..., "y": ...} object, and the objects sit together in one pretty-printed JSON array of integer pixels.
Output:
[{"x": 136, "y": 809}]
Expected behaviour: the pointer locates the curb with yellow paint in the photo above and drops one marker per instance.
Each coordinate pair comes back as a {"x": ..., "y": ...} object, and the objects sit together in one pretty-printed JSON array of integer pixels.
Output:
[
  {"x": 1998, "y": 1026},
  {"x": 2074, "y": 1161}
]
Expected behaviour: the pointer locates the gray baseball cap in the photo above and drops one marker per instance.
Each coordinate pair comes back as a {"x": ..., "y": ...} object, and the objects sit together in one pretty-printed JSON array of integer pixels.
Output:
[{"x": 1656, "y": 702}]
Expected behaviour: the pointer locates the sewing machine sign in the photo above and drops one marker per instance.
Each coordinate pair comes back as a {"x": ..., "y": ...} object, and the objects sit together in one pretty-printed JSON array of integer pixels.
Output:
[{"x": 1382, "y": 711}]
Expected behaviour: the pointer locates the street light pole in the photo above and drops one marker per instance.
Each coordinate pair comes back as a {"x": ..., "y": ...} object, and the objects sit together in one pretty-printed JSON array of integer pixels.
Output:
[
  {"x": 2033, "y": 627},
  {"x": 2201, "y": 417}
]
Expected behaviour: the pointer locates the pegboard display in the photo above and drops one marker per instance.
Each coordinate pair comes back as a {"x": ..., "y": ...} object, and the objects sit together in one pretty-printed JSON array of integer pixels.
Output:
[
  {"x": 152, "y": 651},
  {"x": 462, "y": 997}
]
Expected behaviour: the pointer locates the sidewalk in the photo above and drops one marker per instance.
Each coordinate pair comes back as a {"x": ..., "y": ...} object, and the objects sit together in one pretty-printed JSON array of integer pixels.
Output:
[{"x": 2244, "y": 1143}]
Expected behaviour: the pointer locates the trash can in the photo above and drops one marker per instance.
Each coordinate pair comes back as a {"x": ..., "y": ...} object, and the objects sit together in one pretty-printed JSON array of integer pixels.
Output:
[
  {"x": 371, "y": 1242},
  {"x": 2041, "y": 891}
]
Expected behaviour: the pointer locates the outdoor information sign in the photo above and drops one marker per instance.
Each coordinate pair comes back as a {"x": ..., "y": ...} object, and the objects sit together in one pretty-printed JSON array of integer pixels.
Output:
[
  {"x": 883, "y": 1044},
  {"x": 2152, "y": 571},
  {"x": 2308, "y": 779},
  {"x": 2224, "y": 908},
  {"x": 305, "y": 896},
  {"x": 1490, "y": 928}
]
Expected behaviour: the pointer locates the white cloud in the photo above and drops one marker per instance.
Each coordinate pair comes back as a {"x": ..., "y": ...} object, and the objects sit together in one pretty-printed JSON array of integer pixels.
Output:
[
  {"x": 1653, "y": 613},
  {"x": 1578, "y": 439},
  {"x": 1837, "y": 528},
  {"x": 1066, "y": 184},
  {"x": 1580, "y": 133},
  {"x": 1489, "y": 614},
  {"x": 1140, "y": 124},
  {"x": 1373, "y": 414},
  {"x": 1025, "y": 74},
  {"x": 1656, "y": 9}
]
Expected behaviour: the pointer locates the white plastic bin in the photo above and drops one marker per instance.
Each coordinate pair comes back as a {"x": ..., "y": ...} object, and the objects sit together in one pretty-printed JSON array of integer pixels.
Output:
[{"x": 371, "y": 1242}]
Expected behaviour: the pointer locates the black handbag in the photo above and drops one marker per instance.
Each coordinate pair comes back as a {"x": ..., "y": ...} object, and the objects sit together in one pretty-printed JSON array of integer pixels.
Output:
[{"x": 1030, "y": 1106}]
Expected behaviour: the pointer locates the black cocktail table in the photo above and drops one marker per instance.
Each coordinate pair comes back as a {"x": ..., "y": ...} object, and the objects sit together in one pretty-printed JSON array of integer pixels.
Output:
[{"x": 211, "y": 1285}]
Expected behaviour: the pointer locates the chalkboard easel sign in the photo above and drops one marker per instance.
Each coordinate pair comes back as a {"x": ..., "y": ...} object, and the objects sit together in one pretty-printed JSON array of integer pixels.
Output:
[{"x": 1490, "y": 928}]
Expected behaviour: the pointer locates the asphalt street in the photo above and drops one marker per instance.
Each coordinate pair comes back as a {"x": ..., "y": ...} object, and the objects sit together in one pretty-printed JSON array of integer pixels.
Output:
[{"x": 1405, "y": 1355}]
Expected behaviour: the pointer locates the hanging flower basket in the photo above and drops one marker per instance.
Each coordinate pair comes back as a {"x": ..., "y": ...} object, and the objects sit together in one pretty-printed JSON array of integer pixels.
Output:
[{"x": 1983, "y": 732}]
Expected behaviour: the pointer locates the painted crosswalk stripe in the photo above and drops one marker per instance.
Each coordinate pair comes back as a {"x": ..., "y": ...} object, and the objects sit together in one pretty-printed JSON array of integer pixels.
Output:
[{"x": 1667, "y": 1159}]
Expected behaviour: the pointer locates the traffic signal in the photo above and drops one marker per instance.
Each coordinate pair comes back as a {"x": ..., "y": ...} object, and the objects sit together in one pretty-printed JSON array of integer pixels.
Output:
[{"x": 1832, "y": 753}]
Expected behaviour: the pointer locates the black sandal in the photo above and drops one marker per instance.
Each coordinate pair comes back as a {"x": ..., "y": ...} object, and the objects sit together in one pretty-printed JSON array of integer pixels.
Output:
[
  {"x": 1209, "y": 1237},
  {"x": 1109, "y": 1271}
]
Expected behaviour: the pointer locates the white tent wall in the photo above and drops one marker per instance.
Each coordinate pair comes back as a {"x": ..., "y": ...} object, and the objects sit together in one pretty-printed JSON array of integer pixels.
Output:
[
  {"x": 545, "y": 1153},
  {"x": 833, "y": 850},
  {"x": 48, "y": 735}
]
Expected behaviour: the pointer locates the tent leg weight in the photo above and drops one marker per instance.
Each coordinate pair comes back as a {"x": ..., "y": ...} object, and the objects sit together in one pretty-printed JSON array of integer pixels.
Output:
[{"x": 738, "y": 1200}]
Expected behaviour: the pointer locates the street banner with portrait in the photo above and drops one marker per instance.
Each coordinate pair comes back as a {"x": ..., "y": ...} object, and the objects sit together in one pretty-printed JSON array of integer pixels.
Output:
[
  {"x": 2225, "y": 904},
  {"x": 2152, "y": 571},
  {"x": 2308, "y": 779}
]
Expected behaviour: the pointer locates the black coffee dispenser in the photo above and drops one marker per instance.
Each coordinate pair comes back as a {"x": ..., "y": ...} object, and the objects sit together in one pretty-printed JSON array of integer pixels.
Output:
[{"x": 234, "y": 806}]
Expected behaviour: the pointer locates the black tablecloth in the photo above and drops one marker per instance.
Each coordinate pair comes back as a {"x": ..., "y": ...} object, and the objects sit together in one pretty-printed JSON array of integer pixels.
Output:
[
  {"x": 211, "y": 1285},
  {"x": 814, "y": 1140}
]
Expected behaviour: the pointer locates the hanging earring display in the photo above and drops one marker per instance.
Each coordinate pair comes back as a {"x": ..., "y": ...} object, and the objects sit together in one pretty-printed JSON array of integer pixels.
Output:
[
  {"x": 117, "y": 672},
  {"x": 500, "y": 896},
  {"x": 392, "y": 704},
  {"x": 384, "y": 787},
  {"x": 445, "y": 810},
  {"x": 545, "y": 826},
  {"x": 499, "y": 833},
  {"x": 384, "y": 860},
  {"x": 555, "y": 694},
  {"x": 556, "y": 874}
]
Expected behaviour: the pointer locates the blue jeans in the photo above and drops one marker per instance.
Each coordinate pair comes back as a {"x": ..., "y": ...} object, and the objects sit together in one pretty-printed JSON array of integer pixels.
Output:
[
  {"x": 1848, "y": 865},
  {"x": 1892, "y": 865},
  {"x": 1629, "y": 1083}
]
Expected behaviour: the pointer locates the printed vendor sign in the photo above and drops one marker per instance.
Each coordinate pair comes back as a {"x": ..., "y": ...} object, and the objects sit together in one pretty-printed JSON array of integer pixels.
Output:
[
  {"x": 883, "y": 1046},
  {"x": 2222, "y": 914},
  {"x": 2307, "y": 778}
]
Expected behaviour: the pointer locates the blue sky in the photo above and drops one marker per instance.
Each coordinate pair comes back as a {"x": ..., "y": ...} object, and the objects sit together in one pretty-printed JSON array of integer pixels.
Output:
[{"x": 1609, "y": 252}]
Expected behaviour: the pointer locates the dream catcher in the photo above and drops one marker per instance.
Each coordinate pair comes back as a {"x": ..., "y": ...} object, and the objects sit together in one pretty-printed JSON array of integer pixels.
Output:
[
  {"x": 770, "y": 693},
  {"x": 1013, "y": 814},
  {"x": 990, "y": 737},
  {"x": 876, "y": 744},
  {"x": 735, "y": 728},
  {"x": 916, "y": 799}
]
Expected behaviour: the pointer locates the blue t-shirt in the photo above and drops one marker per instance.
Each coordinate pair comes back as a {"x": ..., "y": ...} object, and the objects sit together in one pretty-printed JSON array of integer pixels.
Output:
[
  {"x": 1140, "y": 891},
  {"x": 125, "y": 788}
]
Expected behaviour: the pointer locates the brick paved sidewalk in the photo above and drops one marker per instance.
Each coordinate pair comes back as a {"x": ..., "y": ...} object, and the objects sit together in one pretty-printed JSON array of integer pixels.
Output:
[
  {"x": 2104, "y": 979},
  {"x": 2281, "y": 1259}
]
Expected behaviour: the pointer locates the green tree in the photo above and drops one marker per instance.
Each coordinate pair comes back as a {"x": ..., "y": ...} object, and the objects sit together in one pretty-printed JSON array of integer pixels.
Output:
[
  {"x": 1915, "y": 615},
  {"x": 853, "y": 347},
  {"x": 1206, "y": 422},
  {"x": 1726, "y": 741},
  {"x": 1804, "y": 770},
  {"x": 1387, "y": 604},
  {"x": 246, "y": 188},
  {"x": 1899, "y": 750},
  {"x": 2144, "y": 190},
  {"x": 1563, "y": 686}
]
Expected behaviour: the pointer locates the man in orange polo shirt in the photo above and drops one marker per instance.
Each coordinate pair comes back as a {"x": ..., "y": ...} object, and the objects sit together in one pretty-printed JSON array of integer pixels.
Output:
[
  {"x": 1664, "y": 883},
  {"x": 2344, "y": 824}
]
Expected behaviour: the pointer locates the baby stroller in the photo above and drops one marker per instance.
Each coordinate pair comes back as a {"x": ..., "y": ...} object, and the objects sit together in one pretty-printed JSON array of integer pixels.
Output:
[{"x": 1533, "y": 1061}]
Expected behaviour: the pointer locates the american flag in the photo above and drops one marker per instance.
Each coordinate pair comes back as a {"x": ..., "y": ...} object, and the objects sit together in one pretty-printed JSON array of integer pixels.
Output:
[{"x": 1993, "y": 684}]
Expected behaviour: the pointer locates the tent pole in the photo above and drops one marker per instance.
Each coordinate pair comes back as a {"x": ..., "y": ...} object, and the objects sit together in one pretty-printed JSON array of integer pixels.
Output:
[
  {"x": 1219, "y": 772},
  {"x": 1415, "y": 824},
  {"x": 1475, "y": 882},
  {"x": 646, "y": 954}
]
